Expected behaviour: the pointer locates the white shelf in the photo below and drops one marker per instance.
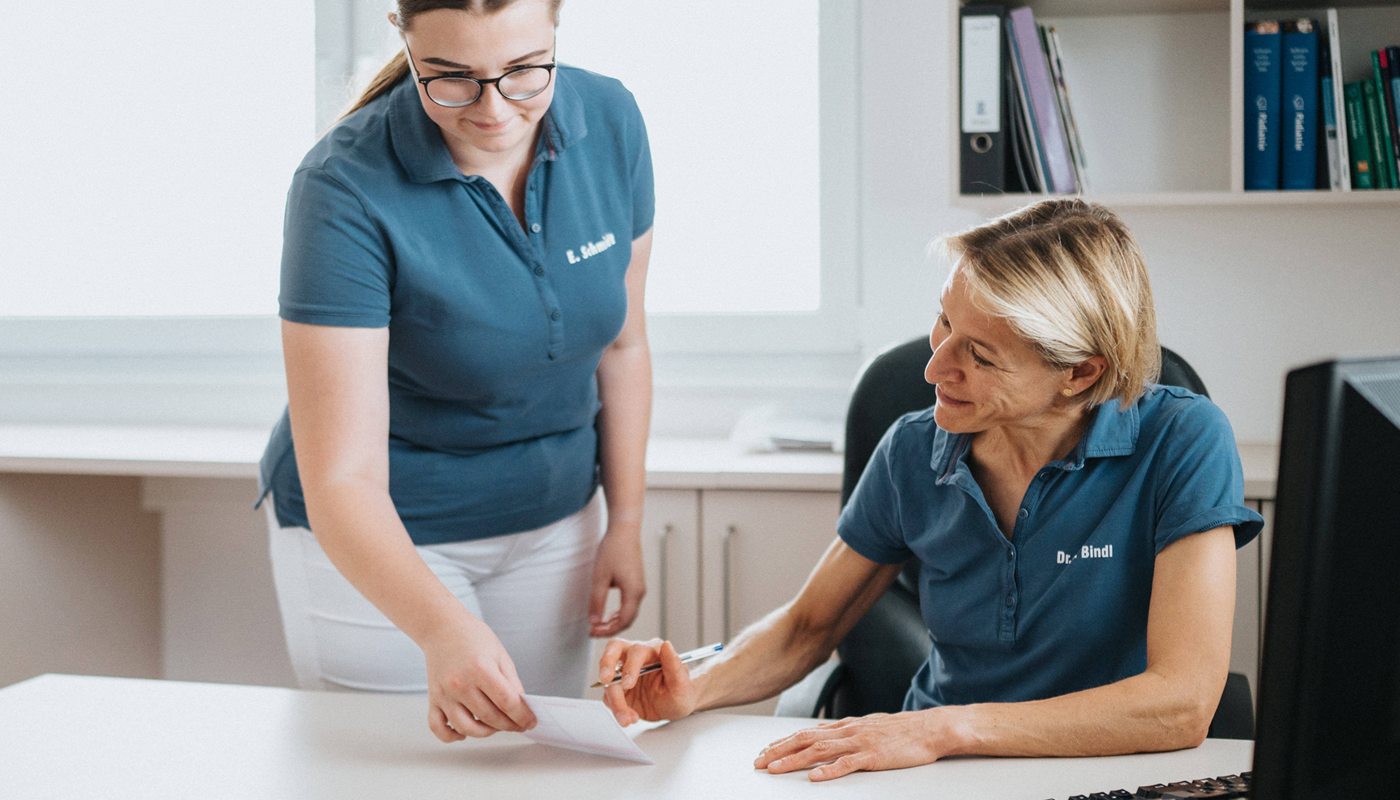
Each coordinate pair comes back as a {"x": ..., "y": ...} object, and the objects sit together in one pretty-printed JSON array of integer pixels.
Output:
[
  {"x": 1160, "y": 98},
  {"x": 1000, "y": 204},
  {"x": 1099, "y": 8}
]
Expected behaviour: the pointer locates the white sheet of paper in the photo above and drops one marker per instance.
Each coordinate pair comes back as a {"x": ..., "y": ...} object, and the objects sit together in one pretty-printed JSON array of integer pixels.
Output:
[{"x": 583, "y": 725}]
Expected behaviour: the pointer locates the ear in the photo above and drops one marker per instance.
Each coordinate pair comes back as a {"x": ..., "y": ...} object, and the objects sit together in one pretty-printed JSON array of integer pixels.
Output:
[
  {"x": 394, "y": 20},
  {"x": 1085, "y": 374}
]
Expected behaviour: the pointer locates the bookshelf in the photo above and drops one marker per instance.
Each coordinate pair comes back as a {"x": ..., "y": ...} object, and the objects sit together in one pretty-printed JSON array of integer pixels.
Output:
[{"x": 1158, "y": 91}]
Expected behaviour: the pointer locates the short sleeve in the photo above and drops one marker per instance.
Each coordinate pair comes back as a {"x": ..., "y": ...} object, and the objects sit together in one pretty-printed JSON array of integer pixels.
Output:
[
  {"x": 870, "y": 522},
  {"x": 335, "y": 265},
  {"x": 1198, "y": 479},
  {"x": 643, "y": 182}
]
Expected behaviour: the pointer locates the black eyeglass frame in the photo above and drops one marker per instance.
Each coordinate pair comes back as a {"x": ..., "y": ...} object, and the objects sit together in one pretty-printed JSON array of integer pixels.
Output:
[{"x": 481, "y": 83}]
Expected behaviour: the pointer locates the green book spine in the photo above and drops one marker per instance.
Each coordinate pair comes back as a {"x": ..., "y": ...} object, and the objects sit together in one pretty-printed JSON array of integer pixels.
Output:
[
  {"x": 1383, "y": 119},
  {"x": 1358, "y": 142},
  {"x": 1374, "y": 126}
]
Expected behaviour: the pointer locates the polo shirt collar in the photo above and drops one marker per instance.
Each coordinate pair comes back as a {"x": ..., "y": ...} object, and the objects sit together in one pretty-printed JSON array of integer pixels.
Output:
[
  {"x": 564, "y": 123},
  {"x": 424, "y": 156},
  {"x": 1112, "y": 432}
]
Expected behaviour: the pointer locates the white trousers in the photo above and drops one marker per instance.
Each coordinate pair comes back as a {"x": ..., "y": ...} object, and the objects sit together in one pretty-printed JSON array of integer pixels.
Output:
[{"x": 531, "y": 588}]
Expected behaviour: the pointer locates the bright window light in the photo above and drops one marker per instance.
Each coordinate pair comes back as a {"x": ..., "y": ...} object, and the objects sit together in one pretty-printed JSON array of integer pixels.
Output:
[
  {"x": 729, "y": 92},
  {"x": 146, "y": 149}
]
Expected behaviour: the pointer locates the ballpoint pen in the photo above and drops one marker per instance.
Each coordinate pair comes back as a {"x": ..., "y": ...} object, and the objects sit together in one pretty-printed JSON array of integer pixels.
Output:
[{"x": 686, "y": 657}]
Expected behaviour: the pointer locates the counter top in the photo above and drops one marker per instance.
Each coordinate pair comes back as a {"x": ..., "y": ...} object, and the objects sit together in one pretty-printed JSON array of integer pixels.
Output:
[{"x": 195, "y": 452}]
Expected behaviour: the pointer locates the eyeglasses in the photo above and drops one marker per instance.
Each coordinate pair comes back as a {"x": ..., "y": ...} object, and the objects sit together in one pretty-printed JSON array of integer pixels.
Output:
[{"x": 456, "y": 91}]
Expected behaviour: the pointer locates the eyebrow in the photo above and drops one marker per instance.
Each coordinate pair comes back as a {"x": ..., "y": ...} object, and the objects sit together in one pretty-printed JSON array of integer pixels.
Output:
[
  {"x": 442, "y": 62},
  {"x": 985, "y": 345}
]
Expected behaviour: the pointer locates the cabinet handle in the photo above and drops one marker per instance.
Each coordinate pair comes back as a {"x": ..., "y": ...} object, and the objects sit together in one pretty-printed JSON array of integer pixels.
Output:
[
  {"x": 728, "y": 549},
  {"x": 661, "y": 577}
]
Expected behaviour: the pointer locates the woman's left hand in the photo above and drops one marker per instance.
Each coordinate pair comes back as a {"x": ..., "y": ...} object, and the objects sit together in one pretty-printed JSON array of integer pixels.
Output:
[
  {"x": 874, "y": 742},
  {"x": 619, "y": 564}
]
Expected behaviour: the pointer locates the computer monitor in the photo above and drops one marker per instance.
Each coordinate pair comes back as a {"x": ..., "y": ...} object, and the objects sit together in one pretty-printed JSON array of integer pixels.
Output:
[{"x": 1329, "y": 694}]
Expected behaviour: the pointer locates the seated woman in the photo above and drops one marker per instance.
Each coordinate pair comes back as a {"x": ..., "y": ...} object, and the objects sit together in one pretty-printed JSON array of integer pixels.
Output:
[{"x": 1075, "y": 526}]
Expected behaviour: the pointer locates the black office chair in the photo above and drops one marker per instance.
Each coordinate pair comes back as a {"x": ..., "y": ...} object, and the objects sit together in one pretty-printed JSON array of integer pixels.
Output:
[{"x": 880, "y": 655}]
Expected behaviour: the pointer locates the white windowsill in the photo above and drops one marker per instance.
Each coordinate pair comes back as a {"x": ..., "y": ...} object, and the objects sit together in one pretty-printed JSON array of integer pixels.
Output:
[
  {"x": 672, "y": 463},
  {"x": 195, "y": 452}
]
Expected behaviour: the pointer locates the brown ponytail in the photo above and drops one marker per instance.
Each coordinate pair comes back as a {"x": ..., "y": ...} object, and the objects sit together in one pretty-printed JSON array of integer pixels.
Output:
[
  {"x": 391, "y": 74},
  {"x": 397, "y": 67}
]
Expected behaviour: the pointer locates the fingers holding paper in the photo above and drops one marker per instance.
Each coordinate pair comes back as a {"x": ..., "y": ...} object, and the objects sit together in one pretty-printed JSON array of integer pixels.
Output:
[
  {"x": 473, "y": 689},
  {"x": 874, "y": 742},
  {"x": 668, "y": 693}
]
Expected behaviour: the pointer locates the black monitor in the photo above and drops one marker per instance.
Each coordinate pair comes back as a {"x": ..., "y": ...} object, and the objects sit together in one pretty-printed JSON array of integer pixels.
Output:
[{"x": 1329, "y": 694}]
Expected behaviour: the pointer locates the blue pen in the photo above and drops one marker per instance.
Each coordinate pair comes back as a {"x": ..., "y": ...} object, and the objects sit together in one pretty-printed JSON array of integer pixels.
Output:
[{"x": 686, "y": 657}]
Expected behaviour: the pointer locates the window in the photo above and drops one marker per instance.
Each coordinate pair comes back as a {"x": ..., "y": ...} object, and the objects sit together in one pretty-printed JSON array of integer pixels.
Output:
[
  {"x": 146, "y": 150},
  {"x": 729, "y": 92}
]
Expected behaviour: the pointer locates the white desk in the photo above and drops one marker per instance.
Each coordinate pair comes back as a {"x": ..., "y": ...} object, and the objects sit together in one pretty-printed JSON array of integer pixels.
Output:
[{"x": 69, "y": 737}]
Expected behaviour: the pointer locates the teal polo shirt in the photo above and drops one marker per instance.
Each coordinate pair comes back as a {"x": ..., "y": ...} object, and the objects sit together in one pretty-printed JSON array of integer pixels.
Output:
[
  {"x": 1062, "y": 605},
  {"x": 495, "y": 330}
]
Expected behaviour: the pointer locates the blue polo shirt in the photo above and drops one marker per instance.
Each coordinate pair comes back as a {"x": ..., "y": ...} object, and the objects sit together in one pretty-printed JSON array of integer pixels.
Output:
[
  {"x": 1062, "y": 605},
  {"x": 495, "y": 331}
]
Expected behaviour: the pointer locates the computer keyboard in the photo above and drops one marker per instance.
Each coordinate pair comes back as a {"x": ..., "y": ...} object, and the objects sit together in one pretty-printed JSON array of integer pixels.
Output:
[{"x": 1221, "y": 788}]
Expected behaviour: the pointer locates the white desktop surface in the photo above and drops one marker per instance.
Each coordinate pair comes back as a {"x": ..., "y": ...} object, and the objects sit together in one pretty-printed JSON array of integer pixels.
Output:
[{"x": 65, "y": 736}]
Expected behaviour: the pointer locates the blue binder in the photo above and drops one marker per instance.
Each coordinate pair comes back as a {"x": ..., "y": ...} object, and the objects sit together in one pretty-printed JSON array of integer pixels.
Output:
[
  {"x": 1299, "y": 106},
  {"x": 1262, "y": 87}
]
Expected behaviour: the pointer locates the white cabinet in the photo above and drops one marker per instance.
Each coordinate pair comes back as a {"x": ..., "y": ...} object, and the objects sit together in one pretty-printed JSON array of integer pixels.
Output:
[
  {"x": 758, "y": 549},
  {"x": 718, "y": 560}
]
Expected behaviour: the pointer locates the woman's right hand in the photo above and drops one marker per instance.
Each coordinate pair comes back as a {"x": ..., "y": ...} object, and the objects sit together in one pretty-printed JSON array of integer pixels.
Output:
[
  {"x": 472, "y": 686},
  {"x": 667, "y": 693}
]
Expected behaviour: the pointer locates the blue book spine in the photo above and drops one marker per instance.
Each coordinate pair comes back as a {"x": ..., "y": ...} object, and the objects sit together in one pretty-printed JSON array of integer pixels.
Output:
[
  {"x": 1262, "y": 87},
  {"x": 1329, "y": 121},
  {"x": 1299, "y": 106}
]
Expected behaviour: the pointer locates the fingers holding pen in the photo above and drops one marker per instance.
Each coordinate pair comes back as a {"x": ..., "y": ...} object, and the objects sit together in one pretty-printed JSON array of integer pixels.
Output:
[{"x": 641, "y": 655}]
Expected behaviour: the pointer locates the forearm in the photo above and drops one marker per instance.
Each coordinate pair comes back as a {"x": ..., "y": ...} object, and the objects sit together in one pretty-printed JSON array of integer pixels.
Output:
[
  {"x": 763, "y": 660},
  {"x": 1145, "y": 713},
  {"x": 624, "y": 421},
  {"x": 357, "y": 526}
]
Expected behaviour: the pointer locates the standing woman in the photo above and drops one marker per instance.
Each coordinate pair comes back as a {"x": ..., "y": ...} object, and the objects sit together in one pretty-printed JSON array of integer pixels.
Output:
[{"x": 463, "y": 274}]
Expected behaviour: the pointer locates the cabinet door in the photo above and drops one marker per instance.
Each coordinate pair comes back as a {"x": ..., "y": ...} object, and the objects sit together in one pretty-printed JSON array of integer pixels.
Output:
[
  {"x": 1266, "y": 540},
  {"x": 758, "y": 548},
  {"x": 1244, "y": 641},
  {"x": 670, "y": 555}
]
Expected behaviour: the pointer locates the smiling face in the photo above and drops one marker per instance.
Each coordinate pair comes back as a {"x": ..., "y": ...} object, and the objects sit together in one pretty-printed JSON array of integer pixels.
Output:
[
  {"x": 484, "y": 46},
  {"x": 987, "y": 376}
]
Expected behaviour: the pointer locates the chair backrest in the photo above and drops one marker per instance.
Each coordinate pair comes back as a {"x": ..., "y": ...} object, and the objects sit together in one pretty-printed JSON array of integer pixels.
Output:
[
  {"x": 892, "y": 384},
  {"x": 883, "y": 651}
]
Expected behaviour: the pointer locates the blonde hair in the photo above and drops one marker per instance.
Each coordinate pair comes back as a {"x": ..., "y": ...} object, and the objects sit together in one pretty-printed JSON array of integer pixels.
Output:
[{"x": 1069, "y": 278}]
